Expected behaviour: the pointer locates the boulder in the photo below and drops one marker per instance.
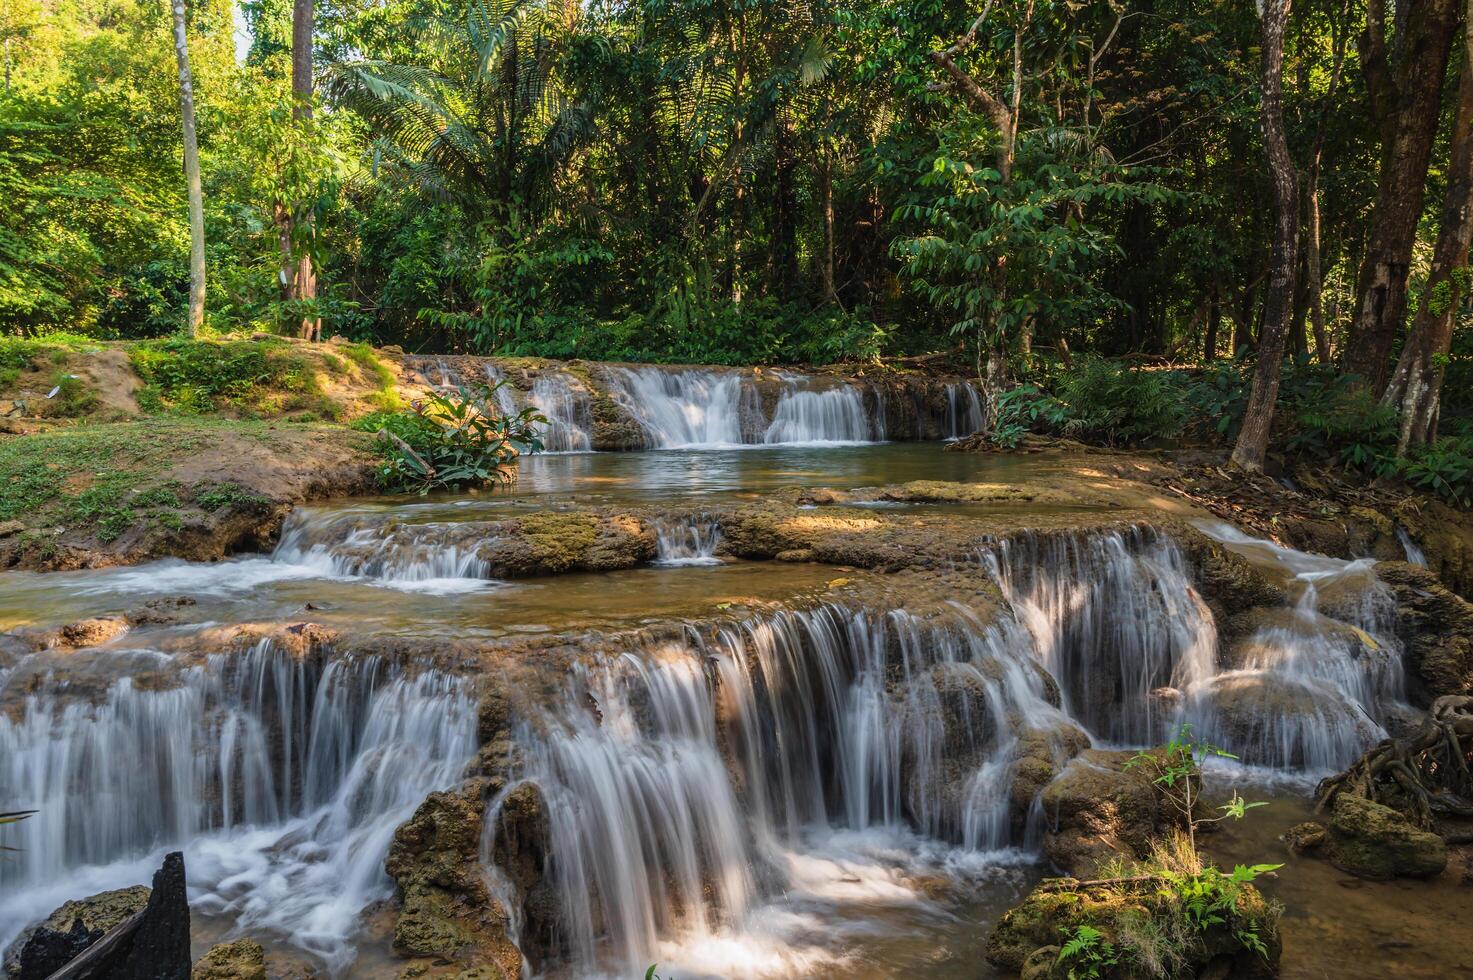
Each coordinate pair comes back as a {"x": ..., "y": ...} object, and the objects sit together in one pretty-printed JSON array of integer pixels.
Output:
[
  {"x": 93, "y": 632},
  {"x": 1370, "y": 840},
  {"x": 70, "y": 929},
  {"x": 1099, "y": 808},
  {"x": 1040, "y": 755},
  {"x": 1268, "y": 719},
  {"x": 243, "y": 959},
  {"x": 1132, "y": 919},
  {"x": 445, "y": 908}
]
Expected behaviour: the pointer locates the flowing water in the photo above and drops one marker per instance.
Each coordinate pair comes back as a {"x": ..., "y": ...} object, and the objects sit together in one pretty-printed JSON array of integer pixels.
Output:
[{"x": 796, "y": 784}]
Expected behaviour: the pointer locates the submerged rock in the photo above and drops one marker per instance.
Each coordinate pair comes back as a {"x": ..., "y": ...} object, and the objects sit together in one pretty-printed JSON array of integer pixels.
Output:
[{"x": 1370, "y": 840}]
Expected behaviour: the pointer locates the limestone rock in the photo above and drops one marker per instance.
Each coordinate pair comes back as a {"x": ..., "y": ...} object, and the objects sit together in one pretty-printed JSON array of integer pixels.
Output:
[
  {"x": 1436, "y": 629},
  {"x": 243, "y": 959},
  {"x": 93, "y": 632},
  {"x": 1374, "y": 841},
  {"x": 1305, "y": 837},
  {"x": 1098, "y": 809}
]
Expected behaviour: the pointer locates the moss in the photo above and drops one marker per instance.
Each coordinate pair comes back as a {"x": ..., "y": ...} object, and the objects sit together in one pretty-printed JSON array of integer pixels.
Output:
[
  {"x": 561, "y": 540},
  {"x": 248, "y": 377},
  {"x": 364, "y": 356}
]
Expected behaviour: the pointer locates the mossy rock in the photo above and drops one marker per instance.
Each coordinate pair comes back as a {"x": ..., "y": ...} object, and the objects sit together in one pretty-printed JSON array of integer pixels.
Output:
[
  {"x": 243, "y": 959},
  {"x": 1370, "y": 840}
]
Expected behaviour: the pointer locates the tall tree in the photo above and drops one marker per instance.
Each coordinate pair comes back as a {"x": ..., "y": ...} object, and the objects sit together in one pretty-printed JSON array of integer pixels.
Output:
[
  {"x": 196, "y": 317},
  {"x": 1404, "y": 79},
  {"x": 305, "y": 276},
  {"x": 1278, "y": 302},
  {"x": 1417, "y": 383}
]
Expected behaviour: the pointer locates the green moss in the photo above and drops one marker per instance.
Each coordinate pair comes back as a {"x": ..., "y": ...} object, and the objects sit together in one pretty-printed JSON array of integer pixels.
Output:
[
  {"x": 364, "y": 356},
  {"x": 560, "y": 540}
]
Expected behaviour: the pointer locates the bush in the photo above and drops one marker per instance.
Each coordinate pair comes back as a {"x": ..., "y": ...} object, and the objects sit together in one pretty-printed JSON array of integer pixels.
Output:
[
  {"x": 193, "y": 377},
  {"x": 452, "y": 441}
]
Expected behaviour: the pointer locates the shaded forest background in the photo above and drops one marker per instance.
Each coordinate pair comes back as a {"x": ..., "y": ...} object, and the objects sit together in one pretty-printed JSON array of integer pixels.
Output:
[{"x": 765, "y": 181}]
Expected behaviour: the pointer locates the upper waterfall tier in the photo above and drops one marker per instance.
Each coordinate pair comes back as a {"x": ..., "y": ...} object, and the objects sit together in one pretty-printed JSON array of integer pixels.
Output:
[{"x": 615, "y": 406}]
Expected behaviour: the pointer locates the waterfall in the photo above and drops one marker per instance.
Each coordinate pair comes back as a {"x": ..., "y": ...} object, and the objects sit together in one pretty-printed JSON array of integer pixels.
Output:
[
  {"x": 681, "y": 409},
  {"x": 963, "y": 409},
  {"x": 282, "y": 779},
  {"x": 689, "y": 541},
  {"x": 1310, "y": 687},
  {"x": 710, "y": 409},
  {"x": 1115, "y": 619},
  {"x": 1415, "y": 555},
  {"x": 567, "y": 409},
  {"x": 835, "y": 415},
  {"x": 408, "y": 557},
  {"x": 691, "y": 785}
]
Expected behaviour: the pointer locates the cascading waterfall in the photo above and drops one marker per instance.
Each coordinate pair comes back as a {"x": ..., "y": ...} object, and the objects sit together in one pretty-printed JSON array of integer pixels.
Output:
[
  {"x": 1115, "y": 619},
  {"x": 1415, "y": 555},
  {"x": 283, "y": 780},
  {"x": 689, "y": 541},
  {"x": 834, "y": 415},
  {"x": 963, "y": 409},
  {"x": 681, "y": 409},
  {"x": 567, "y": 409},
  {"x": 417, "y": 557},
  {"x": 1309, "y": 690},
  {"x": 689, "y": 784}
]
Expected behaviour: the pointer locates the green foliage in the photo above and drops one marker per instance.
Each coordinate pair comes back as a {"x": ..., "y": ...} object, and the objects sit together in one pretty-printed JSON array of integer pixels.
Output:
[
  {"x": 1086, "y": 954},
  {"x": 192, "y": 377},
  {"x": 451, "y": 441},
  {"x": 1444, "y": 468},
  {"x": 1209, "y": 897}
]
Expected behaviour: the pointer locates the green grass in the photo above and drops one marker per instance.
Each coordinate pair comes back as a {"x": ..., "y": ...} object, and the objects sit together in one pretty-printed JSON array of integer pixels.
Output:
[{"x": 109, "y": 477}]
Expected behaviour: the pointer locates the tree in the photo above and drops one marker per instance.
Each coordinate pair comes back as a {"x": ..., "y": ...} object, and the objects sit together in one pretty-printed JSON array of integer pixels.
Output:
[
  {"x": 304, "y": 277},
  {"x": 196, "y": 317},
  {"x": 1252, "y": 444},
  {"x": 1416, "y": 386},
  {"x": 1404, "y": 81}
]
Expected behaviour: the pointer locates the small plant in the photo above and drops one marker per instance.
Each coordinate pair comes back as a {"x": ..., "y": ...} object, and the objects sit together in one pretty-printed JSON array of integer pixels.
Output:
[
  {"x": 453, "y": 440},
  {"x": 1087, "y": 954},
  {"x": 1177, "y": 768}
]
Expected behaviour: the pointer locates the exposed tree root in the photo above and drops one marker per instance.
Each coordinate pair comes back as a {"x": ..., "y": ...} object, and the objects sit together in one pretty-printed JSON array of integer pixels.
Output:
[{"x": 1426, "y": 773}]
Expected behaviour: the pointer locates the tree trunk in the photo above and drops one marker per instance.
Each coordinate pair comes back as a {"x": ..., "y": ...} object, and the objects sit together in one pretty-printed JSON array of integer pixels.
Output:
[
  {"x": 1214, "y": 322},
  {"x": 826, "y": 202},
  {"x": 1252, "y": 443},
  {"x": 1405, "y": 89},
  {"x": 1314, "y": 272},
  {"x": 784, "y": 213},
  {"x": 1417, "y": 382},
  {"x": 305, "y": 278},
  {"x": 191, "y": 177}
]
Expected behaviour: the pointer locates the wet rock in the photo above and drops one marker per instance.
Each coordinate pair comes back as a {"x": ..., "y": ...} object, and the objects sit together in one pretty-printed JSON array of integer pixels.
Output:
[
  {"x": 93, "y": 632},
  {"x": 552, "y": 543},
  {"x": 1305, "y": 837},
  {"x": 521, "y": 852},
  {"x": 70, "y": 929},
  {"x": 1435, "y": 626},
  {"x": 1041, "y": 754},
  {"x": 1374, "y": 841},
  {"x": 1028, "y": 938},
  {"x": 1099, "y": 808},
  {"x": 445, "y": 909},
  {"x": 1268, "y": 719},
  {"x": 243, "y": 959},
  {"x": 1227, "y": 580}
]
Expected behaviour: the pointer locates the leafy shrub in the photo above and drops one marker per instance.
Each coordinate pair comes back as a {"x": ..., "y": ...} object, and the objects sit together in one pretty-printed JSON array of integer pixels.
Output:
[
  {"x": 452, "y": 441},
  {"x": 1120, "y": 404},
  {"x": 1444, "y": 468}
]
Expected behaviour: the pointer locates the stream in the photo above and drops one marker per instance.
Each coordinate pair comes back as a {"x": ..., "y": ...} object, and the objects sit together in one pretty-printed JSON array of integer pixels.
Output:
[{"x": 749, "y": 768}]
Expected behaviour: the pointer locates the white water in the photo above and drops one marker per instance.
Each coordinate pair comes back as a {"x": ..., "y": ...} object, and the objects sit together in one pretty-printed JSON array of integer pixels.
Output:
[
  {"x": 1415, "y": 555},
  {"x": 689, "y": 409},
  {"x": 566, "y": 407},
  {"x": 864, "y": 748},
  {"x": 408, "y": 557},
  {"x": 963, "y": 409},
  {"x": 833, "y": 416},
  {"x": 282, "y": 780},
  {"x": 688, "y": 542}
]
